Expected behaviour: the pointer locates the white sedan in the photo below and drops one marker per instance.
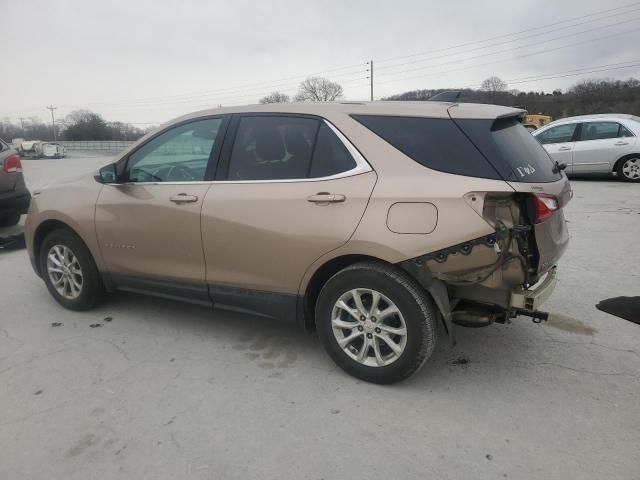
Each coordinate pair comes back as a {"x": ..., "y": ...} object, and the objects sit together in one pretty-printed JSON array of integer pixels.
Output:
[{"x": 595, "y": 144}]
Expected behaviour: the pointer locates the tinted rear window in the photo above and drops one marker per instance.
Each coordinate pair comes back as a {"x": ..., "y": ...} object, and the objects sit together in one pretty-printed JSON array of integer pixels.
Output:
[
  {"x": 436, "y": 143},
  {"x": 331, "y": 156},
  {"x": 512, "y": 150}
]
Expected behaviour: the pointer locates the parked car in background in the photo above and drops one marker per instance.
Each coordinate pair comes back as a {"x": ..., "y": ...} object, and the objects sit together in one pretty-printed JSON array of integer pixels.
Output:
[
  {"x": 16, "y": 144},
  {"x": 31, "y": 149},
  {"x": 595, "y": 144},
  {"x": 53, "y": 150},
  {"x": 368, "y": 221},
  {"x": 14, "y": 196}
]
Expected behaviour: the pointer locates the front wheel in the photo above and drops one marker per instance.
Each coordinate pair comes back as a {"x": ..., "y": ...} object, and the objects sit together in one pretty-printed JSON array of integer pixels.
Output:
[
  {"x": 69, "y": 271},
  {"x": 376, "y": 322},
  {"x": 629, "y": 169}
]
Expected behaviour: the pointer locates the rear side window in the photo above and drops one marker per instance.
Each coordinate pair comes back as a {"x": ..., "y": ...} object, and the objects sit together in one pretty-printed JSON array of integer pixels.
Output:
[
  {"x": 559, "y": 134},
  {"x": 624, "y": 132},
  {"x": 601, "y": 131},
  {"x": 330, "y": 156},
  {"x": 272, "y": 148},
  {"x": 511, "y": 149},
  {"x": 436, "y": 143}
]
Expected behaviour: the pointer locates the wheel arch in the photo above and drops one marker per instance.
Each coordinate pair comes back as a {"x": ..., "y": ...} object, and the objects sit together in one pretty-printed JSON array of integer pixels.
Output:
[
  {"x": 44, "y": 229},
  {"x": 319, "y": 278},
  {"x": 617, "y": 163}
]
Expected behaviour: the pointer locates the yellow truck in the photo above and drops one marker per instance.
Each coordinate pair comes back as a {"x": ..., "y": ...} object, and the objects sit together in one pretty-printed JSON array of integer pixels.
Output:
[{"x": 533, "y": 122}]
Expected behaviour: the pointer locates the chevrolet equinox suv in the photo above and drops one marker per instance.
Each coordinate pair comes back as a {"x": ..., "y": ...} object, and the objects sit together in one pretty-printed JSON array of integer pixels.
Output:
[{"x": 369, "y": 222}]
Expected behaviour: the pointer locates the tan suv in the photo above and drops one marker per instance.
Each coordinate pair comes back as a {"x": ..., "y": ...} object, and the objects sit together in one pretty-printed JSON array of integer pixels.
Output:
[{"x": 366, "y": 221}]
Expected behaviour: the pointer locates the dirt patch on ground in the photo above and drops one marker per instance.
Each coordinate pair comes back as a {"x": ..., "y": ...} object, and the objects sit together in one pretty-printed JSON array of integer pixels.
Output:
[{"x": 569, "y": 324}]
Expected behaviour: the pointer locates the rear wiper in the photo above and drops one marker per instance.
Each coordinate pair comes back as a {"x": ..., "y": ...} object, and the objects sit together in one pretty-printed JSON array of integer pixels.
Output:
[{"x": 558, "y": 166}]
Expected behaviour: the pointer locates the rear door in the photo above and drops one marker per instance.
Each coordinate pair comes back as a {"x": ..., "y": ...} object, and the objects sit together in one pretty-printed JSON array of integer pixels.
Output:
[
  {"x": 148, "y": 225},
  {"x": 559, "y": 142},
  {"x": 599, "y": 145},
  {"x": 288, "y": 190}
]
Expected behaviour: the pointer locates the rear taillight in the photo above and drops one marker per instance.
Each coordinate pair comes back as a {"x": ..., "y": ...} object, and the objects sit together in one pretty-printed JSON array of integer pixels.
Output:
[
  {"x": 546, "y": 205},
  {"x": 12, "y": 164}
]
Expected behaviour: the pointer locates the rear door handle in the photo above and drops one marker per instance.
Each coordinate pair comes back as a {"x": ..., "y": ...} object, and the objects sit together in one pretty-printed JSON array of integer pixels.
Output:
[
  {"x": 564, "y": 149},
  {"x": 621, "y": 143},
  {"x": 326, "y": 197},
  {"x": 183, "y": 198}
]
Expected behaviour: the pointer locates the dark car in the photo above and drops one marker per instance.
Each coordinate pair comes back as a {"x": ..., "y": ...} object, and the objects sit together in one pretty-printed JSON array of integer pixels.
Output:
[{"x": 14, "y": 196}]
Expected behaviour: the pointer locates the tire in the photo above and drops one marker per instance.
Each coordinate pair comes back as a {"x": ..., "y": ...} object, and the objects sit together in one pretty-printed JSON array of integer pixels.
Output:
[
  {"x": 629, "y": 169},
  {"x": 10, "y": 220},
  {"x": 91, "y": 290},
  {"x": 417, "y": 313}
]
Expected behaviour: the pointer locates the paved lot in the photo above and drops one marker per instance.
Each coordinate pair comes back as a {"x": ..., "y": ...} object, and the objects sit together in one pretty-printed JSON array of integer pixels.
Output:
[{"x": 168, "y": 390}]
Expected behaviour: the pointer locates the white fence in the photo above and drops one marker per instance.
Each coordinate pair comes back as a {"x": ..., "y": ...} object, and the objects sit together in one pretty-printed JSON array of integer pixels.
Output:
[{"x": 97, "y": 146}]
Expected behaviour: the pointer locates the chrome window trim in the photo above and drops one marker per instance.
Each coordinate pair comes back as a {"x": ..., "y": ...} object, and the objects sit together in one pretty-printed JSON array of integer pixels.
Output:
[{"x": 362, "y": 166}]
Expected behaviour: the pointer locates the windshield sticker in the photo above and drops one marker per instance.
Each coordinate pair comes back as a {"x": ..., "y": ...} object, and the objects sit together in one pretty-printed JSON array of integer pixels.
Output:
[{"x": 528, "y": 170}]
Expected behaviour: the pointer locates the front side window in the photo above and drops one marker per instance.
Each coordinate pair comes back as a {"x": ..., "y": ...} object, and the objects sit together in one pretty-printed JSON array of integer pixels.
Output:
[
  {"x": 180, "y": 154},
  {"x": 559, "y": 134},
  {"x": 599, "y": 131}
]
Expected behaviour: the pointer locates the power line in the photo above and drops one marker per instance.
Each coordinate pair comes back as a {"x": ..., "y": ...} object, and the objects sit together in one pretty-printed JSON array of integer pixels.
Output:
[
  {"x": 519, "y": 47},
  {"x": 539, "y": 52},
  {"x": 573, "y": 34},
  {"x": 528, "y": 30}
]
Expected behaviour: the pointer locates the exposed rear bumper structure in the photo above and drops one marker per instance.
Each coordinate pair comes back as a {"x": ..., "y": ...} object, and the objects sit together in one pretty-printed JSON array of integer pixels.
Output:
[{"x": 531, "y": 298}]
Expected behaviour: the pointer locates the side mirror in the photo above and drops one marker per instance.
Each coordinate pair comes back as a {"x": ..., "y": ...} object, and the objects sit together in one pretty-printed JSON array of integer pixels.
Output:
[{"x": 107, "y": 174}]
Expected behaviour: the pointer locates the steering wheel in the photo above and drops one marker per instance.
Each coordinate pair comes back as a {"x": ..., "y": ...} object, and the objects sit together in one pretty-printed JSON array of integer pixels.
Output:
[
  {"x": 174, "y": 173},
  {"x": 136, "y": 171}
]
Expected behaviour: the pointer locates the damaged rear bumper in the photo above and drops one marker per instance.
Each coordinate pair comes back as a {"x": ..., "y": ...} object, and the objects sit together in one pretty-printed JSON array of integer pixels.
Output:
[{"x": 531, "y": 298}]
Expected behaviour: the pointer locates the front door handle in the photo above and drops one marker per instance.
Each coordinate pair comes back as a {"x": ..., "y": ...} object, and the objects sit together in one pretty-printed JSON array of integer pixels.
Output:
[
  {"x": 183, "y": 198},
  {"x": 621, "y": 143},
  {"x": 564, "y": 149},
  {"x": 326, "y": 197}
]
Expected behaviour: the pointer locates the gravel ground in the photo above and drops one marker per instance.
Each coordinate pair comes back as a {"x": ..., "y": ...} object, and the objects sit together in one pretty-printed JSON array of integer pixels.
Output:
[{"x": 149, "y": 388}]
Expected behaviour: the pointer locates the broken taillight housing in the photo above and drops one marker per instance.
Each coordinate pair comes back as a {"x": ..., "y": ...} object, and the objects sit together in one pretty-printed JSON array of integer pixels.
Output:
[
  {"x": 12, "y": 164},
  {"x": 546, "y": 205}
]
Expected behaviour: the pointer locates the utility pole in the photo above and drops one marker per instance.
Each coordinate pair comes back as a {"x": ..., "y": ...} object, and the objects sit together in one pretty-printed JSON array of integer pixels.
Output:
[
  {"x": 22, "y": 119},
  {"x": 53, "y": 120},
  {"x": 371, "y": 77}
]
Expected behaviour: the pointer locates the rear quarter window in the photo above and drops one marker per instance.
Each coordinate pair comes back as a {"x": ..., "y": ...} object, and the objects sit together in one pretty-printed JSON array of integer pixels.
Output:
[
  {"x": 511, "y": 149},
  {"x": 436, "y": 143}
]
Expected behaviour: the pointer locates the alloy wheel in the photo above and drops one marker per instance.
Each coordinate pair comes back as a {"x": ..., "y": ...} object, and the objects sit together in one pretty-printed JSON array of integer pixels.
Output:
[
  {"x": 369, "y": 327},
  {"x": 65, "y": 272},
  {"x": 631, "y": 169}
]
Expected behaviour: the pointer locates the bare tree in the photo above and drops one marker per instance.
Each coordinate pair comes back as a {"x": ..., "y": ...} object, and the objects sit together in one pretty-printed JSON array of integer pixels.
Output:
[
  {"x": 276, "y": 97},
  {"x": 493, "y": 85},
  {"x": 317, "y": 89}
]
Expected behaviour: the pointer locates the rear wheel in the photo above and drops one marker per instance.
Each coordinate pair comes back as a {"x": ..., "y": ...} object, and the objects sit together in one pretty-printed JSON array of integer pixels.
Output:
[
  {"x": 376, "y": 322},
  {"x": 9, "y": 220},
  {"x": 629, "y": 169},
  {"x": 69, "y": 271}
]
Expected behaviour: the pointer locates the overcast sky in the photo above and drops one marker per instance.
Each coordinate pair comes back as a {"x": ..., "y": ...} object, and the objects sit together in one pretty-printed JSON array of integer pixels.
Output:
[{"x": 151, "y": 60}]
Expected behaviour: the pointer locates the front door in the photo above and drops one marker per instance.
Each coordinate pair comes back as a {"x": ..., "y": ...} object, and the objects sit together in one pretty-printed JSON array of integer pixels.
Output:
[
  {"x": 559, "y": 143},
  {"x": 293, "y": 189},
  {"x": 148, "y": 224}
]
